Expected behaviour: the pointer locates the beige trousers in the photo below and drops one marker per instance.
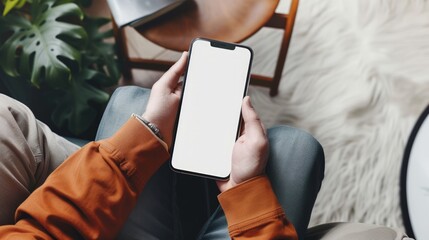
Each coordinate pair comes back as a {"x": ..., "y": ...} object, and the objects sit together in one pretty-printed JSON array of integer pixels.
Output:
[
  {"x": 354, "y": 231},
  {"x": 29, "y": 151}
]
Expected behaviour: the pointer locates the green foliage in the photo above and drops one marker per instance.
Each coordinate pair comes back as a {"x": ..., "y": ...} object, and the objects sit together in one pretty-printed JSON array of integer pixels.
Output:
[
  {"x": 39, "y": 43},
  {"x": 50, "y": 48},
  {"x": 10, "y": 4},
  {"x": 84, "y": 3},
  {"x": 74, "y": 107},
  {"x": 99, "y": 54}
]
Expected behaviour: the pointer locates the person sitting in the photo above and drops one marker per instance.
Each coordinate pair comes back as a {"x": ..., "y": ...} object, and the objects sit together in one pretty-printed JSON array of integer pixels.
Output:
[{"x": 120, "y": 186}]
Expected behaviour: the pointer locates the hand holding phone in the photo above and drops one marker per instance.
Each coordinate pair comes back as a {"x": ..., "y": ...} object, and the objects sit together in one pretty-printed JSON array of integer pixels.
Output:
[
  {"x": 164, "y": 99},
  {"x": 250, "y": 153},
  {"x": 208, "y": 122}
]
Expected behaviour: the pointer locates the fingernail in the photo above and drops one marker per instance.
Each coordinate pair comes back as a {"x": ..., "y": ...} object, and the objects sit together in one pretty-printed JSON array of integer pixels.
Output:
[{"x": 250, "y": 103}]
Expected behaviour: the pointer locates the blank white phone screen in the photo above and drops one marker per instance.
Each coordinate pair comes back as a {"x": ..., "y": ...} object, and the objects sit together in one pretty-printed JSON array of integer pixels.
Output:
[{"x": 210, "y": 112}]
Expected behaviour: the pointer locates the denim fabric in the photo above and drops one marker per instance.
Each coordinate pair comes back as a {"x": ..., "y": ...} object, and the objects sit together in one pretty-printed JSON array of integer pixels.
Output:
[
  {"x": 154, "y": 216},
  {"x": 295, "y": 168},
  {"x": 31, "y": 151}
]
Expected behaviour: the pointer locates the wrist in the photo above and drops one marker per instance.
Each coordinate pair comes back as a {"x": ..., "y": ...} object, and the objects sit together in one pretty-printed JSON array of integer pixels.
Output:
[
  {"x": 162, "y": 123},
  {"x": 232, "y": 183},
  {"x": 152, "y": 126}
]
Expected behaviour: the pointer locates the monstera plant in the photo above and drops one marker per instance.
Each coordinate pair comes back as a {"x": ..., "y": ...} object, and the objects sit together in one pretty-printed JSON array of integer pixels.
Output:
[{"x": 55, "y": 59}]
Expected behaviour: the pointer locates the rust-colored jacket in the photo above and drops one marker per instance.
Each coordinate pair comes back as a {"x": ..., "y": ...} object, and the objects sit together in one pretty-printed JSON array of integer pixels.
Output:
[{"x": 92, "y": 193}]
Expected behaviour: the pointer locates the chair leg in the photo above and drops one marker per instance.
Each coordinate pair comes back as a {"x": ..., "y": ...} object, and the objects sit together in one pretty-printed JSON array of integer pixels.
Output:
[
  {"x": 122, "y": 51},
  {"x": 287, "y": 34},
  {"x": 274, "y": 89}
]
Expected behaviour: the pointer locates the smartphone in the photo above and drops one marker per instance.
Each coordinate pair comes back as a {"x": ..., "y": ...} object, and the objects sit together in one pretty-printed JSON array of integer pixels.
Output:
[{"x": 208, "y": 120}]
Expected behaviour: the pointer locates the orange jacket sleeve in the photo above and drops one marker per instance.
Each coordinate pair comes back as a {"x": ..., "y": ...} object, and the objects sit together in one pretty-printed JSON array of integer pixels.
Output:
[
  {"x": 253, "y": 212},
  {"x": 92, "y": 193}
]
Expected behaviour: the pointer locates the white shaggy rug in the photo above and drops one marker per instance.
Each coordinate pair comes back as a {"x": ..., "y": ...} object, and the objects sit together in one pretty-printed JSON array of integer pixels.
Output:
[{"x": 357, "y": 78}]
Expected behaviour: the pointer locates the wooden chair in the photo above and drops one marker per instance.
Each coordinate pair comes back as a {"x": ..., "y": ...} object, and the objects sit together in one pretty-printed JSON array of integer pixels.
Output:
[{"x": 225, "y": 20}]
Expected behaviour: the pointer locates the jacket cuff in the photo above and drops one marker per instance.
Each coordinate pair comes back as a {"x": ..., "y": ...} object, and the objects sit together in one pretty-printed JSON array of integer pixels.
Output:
[
  {"x": 248, "y": 204},
  {"x": 137, "y": 151}
]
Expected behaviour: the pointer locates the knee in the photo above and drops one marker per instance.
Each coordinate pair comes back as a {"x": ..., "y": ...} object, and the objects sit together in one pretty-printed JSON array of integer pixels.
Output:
[
  {"x": 299, "y": 138},
  {"x": 126, "y": 97},
  {"x": 284, "y": 131},
  {"x": 128, "y": 93},
  {"x": 14, "y": 111},
  {"x": 299, "y": 147},
  {"x": 124, "y": 102},
  {"x": 4, "y": 108}
]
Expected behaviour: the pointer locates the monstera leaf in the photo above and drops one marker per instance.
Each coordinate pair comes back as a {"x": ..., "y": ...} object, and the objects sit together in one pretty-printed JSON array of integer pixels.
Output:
[
  {"x": 76, "y": 108},
  {"x": 68, "y": 65},
  {"x": 80, "y": 106},
  {"x": 42, "y": 48},
  {"x": 99, "y": 54},
  {"x": 10, "y": 4}
]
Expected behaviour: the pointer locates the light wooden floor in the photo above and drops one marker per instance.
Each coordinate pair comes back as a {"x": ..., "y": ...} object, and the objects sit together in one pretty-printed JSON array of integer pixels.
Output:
[{"x": 265, "y": 43}]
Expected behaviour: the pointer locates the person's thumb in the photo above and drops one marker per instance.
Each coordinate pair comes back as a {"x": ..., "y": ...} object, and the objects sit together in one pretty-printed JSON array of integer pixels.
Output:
[{"x": 252, "y": 122}]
